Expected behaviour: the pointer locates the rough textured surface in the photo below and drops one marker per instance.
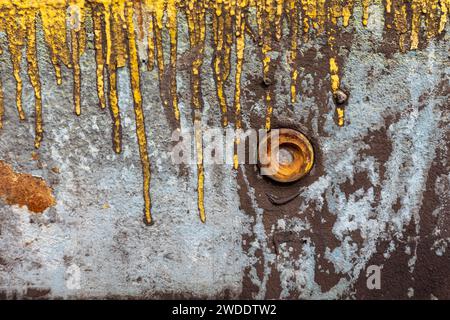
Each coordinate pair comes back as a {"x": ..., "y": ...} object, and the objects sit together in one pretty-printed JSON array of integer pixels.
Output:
[{"x": 378, "y": 194}]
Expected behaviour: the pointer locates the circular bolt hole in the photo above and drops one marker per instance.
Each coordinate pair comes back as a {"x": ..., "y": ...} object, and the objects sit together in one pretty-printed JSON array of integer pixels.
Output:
[
  {"x": 340, "y": 97},
  {"x": 285, "y": 155}
]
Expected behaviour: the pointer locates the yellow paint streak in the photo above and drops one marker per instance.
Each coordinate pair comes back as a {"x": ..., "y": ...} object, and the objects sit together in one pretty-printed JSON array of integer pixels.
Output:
[
  {"x": 334, "y": 67},
  {"x": 240, "y": 48},
  {"x": 341, "y": 116},
  {"x": 366, "y": 4},
  {"x": 173, "y": 33},
  {"x": 53, "y": 16},
  {"x": 115, "y": 109},
  {"x": 227, "y": 46},
  {"x": 195, "y": 14},
  {"x": 278, "y": 14},
  {"x": 138, "y": 111},
  {"x": 15, "y": 31},
  {"x": 200, "y": 168},
  {"x": 269, "y": 110},
  {"x": 431, "y": 18},
  {"x": 156, "y": 9},
  {"x": 334, "y": 71},
  {"x": 108, "y": 31},
  {"x": 309, "y": 13},
  {"x": 401, "y": 23},
  {"x": 118, "y": 25},
  {"x": 76, "y": 11},
  {"x": 115, "y": 58},
  {"x": 432, "y": 14},
  {"x": 429, "y": 10},
  {"x": 2, "y": 105},
  {"x": 219, "y": 34},
  {"x": 76, "y": 72},
  {"x": 347, "y": 12},
  {"x": 293, "y": 11},
  {"x": 445, "y": 6},
  {"x": 388, "y": 6},
  {"x": 270, "y": 15},
  {"x": 335, "y": 12}
]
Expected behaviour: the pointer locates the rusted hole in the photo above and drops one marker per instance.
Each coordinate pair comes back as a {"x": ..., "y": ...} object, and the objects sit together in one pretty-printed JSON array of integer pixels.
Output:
[
  {"x": 266, "y": 83},
  {"x": 340, "y": 97},
  {"x": 286, "y": 155}
]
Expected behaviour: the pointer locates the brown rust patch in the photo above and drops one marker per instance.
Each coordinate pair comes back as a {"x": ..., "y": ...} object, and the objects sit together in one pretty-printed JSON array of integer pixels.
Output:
[
  {"x": 24, "y": 190},
  {"x": 37, "y": 293}
]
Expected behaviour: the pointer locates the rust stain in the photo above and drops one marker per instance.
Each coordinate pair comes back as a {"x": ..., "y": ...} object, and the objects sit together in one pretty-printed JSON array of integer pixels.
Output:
[
  {"x": 288, "y": 157},
  {"x": 23, "y": 189}
]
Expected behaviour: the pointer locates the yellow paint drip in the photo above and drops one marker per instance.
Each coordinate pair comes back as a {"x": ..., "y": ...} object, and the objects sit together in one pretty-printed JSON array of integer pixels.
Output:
[
  {"x": 53, "y": 16},
  {"x": 347, "y": 12},
  {"x": 334, "y": 71},
  {"x": 293, "y": 11},
  {"x": 138, "y": 110},
  {"x": 388, "y": 6},
  {"x": 269, "y": 14},
  {"x": 15, "y": 31},
  {"x": 341, "y": 116},
  {"x": 334, "y": 68},
  {"x": 115, "y": 55},
  {"x": 173, "y": 33},
  {"x": 445, "y": 7},
  {"x": 279, "y": 6},
  {"x": 195, "y": 14},
  {"x": 219, "y": 59},
  {"x": 151, "y": 43},
  {"x": 115, "y": 109},
  {"x": 75, "y": 41},
  {"x": 77, "y": 37},
  {"x": 401, "y": 23},
  {"x": 240, "y": 47}
]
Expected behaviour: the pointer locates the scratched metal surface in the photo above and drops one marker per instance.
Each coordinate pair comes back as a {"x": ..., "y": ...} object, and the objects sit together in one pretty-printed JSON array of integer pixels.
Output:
[{"x": 377, "y": 195}]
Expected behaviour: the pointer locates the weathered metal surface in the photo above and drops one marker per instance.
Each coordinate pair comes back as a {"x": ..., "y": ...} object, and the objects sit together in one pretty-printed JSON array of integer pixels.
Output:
[{"x": 377, "y": 195}]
